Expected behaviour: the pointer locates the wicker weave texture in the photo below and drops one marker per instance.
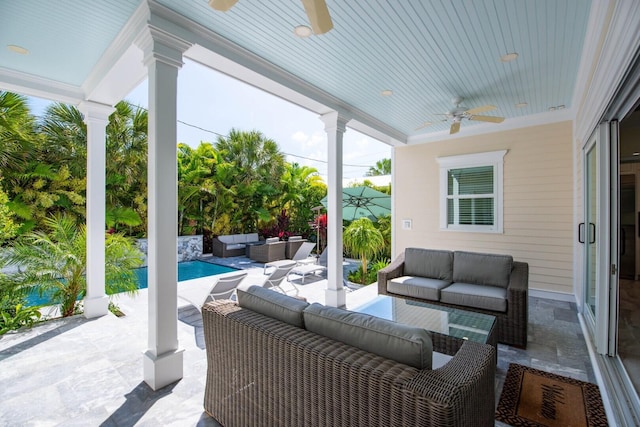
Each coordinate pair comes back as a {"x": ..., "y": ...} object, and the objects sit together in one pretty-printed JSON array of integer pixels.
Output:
[
  {"x": 511, "y": 326},
  {"x": 268, "y": 252},
  {"x": 262, "y": 372}
]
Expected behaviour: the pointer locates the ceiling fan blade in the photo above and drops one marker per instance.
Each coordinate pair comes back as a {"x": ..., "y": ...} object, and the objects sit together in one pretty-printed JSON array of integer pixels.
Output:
[
  {"x": 482, "y": 109},
  {"x": 491, "y": 119},
  {"x": 424, "y": 125},
  {"x": 222, "y": 5},
  {"x": 319, "y": 16},
  {"x": 455, "y": 128}
]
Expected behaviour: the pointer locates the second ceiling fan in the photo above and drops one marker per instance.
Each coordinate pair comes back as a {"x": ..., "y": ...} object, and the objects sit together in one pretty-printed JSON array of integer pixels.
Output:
[
  {"x": 459, "y": 112},
  {"x": 316, "y": 10}
]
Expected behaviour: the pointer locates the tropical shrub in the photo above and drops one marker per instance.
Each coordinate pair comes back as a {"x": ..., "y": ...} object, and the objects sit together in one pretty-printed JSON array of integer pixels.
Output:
[
  {"x": 54, "y": 262},
  {"x": 362, "y": 239},
  {"x": 384, "y": 225},
  {"x": 358, "y": 276},
  {"x": 13, "y": 312},
  {"x": 14, "y": 316},
  {"x": 278, "y": 228}
]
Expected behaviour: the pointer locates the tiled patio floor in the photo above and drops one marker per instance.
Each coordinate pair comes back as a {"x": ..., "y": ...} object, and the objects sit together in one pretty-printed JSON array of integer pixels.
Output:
[{"x": 78, "y": 372}]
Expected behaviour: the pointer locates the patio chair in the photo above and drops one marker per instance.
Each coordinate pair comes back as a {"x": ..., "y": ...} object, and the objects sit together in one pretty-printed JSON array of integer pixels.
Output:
[
  {"x": 276, "y": 277},
  {"x": 305, "y": 270},
  {"x": 300, "y": 257},
  {"x": 293, "y": 244},
  {"x": 272, "y": 250},
  {"x": 222, "y": 287}
]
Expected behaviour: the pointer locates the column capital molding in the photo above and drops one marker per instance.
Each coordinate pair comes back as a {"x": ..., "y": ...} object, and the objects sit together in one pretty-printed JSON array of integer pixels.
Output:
[
  {"x": 160, "y": 45},
  {"x": 92, "y": 110},
  {"x": 334, "y": 121}
]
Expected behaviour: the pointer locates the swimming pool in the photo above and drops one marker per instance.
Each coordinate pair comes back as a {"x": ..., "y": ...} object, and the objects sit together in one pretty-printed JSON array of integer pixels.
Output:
[{"x": 187, "y": 270}]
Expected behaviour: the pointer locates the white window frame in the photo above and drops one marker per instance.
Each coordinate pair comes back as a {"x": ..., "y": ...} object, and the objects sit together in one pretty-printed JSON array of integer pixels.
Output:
[{"x": 492, "y": 158}]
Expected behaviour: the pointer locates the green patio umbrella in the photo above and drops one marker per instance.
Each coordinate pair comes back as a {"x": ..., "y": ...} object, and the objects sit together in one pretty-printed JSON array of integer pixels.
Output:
[{"x": 358, "y": 202}]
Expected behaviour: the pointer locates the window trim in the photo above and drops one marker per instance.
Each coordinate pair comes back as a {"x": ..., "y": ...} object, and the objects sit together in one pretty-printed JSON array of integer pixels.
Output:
[{"x": 491, "y": 158}]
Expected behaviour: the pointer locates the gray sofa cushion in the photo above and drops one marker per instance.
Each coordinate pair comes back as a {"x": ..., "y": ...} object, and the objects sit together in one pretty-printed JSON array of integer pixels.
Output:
[
  {"x": 482, "y": 269},
  {"x": 405, "y": 344},
  {"x": 477, "y": 296},
  {"x": 231, "y": 246},
  {"x": 273, "y": 304},
  {"x": 272, "y": 240},
  {"x": 430, "y": 263},
  {"x": 417, "y": 287}
]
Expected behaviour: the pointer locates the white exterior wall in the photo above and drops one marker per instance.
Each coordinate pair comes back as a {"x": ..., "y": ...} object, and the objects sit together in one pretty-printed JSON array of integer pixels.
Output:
[{"x": 538, "y": 200}]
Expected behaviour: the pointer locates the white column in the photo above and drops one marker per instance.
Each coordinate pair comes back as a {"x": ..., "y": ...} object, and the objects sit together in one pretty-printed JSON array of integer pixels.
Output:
[
  {"x": 162, "y": 361},
  {"x": 335, "y": 126},
  {"x": 96, "y": 116}
]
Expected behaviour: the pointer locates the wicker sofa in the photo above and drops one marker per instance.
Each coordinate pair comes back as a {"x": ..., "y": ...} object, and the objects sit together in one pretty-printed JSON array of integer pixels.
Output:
[
  {"x": 232, "y": 244},
  {"x": 273, "y": 360},
  {"x": 485, "y": 283}
]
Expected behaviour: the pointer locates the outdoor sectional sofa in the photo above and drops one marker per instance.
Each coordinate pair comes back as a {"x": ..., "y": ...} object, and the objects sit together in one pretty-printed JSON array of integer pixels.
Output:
[
  {"x": 273, "y": 360},
  {"x": 485, "y": 283},
  {"x": 232, "y": 244}
]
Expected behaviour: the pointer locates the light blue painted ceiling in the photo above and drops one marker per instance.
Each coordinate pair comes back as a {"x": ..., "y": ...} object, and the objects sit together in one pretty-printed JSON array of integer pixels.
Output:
[
  {"x": 426, "y": 52},
  {"x": 65, "y": 38}
]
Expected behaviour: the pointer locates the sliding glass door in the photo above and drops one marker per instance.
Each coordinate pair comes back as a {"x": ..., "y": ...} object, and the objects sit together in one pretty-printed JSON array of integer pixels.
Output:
[
  {"x": 588, "y": 228},
  {"x": 599, "y": 235}
]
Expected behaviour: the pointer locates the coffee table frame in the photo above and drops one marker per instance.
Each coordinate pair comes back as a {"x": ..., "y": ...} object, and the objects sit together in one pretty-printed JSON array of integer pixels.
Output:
[{"x": 442, "y": 343}]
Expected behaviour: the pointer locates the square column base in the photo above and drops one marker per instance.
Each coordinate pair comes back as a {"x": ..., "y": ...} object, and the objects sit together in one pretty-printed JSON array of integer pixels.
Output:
[
  {"x": 335, "y": 297},
  {"x": 96, "y": 307},
  {"x": 160, "y": 371}
]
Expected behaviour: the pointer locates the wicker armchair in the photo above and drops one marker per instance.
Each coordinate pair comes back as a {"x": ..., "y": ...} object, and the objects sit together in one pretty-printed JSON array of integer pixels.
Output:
[
  {"x": 293, "y": 244},
  {"x": 270, "y": 251},
  {"x": 264, "y": 372}
]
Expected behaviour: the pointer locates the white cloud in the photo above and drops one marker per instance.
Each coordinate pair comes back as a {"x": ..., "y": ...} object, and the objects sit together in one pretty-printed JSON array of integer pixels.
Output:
[{"x": 300, "y": 137}]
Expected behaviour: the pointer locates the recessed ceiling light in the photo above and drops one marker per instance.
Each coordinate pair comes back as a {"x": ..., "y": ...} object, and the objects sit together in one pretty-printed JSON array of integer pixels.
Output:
[
  {"x": 17, "y": 49},
  {"x": 508, "y": 57},
  {"x": 302, "y": 31},
  {"x": 386, "y": 92},
  {"x": 521, "y": 104}
]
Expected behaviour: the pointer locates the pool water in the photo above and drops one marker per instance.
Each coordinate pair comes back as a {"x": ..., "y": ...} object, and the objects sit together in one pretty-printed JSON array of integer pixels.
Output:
[{"x": 187, "y": 270}]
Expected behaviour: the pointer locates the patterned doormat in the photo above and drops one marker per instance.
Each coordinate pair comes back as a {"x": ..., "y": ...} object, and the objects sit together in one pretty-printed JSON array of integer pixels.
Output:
[{"x": 535, "y": 398}]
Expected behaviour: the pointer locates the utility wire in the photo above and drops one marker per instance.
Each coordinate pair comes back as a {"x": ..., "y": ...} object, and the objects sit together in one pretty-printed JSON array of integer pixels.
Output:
[{"x": 226, "y": 136}]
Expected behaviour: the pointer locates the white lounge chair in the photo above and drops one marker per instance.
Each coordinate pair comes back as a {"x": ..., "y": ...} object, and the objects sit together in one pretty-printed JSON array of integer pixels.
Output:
[
  {"x": 221, "y": 287},
  {"x": 300, "y": 257},
  {"x": 306, "y": 269},
  {"x": 274, "y": 280}
]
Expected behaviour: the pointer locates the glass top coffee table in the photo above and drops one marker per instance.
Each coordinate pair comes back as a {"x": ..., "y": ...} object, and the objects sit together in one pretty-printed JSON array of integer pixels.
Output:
[{"x": 450, "y": 327}]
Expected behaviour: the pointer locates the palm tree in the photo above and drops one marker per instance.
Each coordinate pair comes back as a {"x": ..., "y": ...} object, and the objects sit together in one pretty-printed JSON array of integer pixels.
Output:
[
  {"x": 65, "y": 133},
  {"x": 195, "y": 170},
  {"x": 17, "y": 131},
  {"x": 302, "y": 189},
  {"x": 55, "y": 262},
  {"x": 382, "y": 167},
  {"x": 126, "y": 167},
  {"x": 363, "y": 239},
  {"x": 257, "y": 166}
]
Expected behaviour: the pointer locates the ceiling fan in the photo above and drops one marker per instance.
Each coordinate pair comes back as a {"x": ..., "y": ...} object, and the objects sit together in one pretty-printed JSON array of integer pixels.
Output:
[
  {"x": 316, "y": 10},
  {"x": 459, "y": 112}
]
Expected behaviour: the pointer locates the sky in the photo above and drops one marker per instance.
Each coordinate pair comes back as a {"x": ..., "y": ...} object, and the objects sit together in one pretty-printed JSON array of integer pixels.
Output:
[{"x": 211, "y": 103}]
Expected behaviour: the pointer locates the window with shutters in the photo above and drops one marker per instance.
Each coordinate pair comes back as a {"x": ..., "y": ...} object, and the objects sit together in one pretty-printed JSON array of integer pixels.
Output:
[{"x": 471, "y": 192}]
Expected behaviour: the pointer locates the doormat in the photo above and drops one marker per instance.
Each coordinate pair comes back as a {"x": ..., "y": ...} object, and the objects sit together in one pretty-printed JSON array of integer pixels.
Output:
[{"x": 535, "y": 398}]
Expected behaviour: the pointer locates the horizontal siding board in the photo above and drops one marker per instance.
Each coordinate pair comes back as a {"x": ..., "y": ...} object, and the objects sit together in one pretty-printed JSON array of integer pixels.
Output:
[{"x": 538, "y": 215}]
